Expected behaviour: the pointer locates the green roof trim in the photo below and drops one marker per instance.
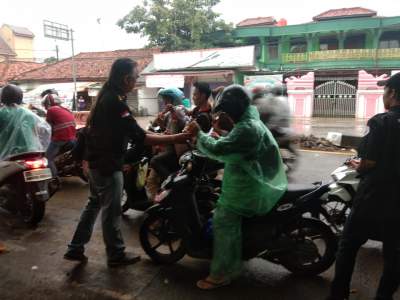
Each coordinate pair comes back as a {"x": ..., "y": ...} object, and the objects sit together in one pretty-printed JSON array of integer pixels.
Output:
[{"x": 353, "y": 24}]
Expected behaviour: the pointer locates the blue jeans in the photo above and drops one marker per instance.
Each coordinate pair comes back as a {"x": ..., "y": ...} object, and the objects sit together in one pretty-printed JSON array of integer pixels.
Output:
[
  {"x": 52, "y": 151},
  {"x": 105, "y": 196}
]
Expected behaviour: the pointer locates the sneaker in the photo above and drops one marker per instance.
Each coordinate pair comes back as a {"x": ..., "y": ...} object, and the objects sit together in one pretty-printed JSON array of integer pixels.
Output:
[
  {"x": 73, "y": 256},
  {"x": 127, "y": 259}
]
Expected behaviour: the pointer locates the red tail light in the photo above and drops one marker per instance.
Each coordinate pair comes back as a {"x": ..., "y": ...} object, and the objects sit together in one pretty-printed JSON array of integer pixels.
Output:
[{"x": 36, "y": 163}]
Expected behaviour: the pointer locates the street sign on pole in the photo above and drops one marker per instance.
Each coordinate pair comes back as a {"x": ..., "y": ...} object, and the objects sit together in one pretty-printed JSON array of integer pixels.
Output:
[{"x": 62, "y": 32}]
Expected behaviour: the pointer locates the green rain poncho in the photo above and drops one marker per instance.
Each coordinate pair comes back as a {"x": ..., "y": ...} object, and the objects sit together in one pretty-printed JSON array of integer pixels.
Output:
[
  {"x": 21, "y": 131},
  {"x": 254, "y": 177}
]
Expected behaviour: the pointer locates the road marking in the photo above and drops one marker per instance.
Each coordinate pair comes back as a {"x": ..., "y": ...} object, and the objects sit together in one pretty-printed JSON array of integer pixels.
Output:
[{"x": 347, "y": 153}]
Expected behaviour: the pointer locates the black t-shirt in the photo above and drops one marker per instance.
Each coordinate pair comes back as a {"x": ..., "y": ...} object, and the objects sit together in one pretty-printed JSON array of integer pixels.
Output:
[
  {"x": 379, "y": 191},
  {"x": 382, "y": 145},
  {"x": 111, "y": 128}
]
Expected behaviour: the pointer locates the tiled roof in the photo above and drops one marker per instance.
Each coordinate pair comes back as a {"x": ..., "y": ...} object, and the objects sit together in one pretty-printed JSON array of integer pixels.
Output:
[
  {"x": 341, "y": 13},
  {"x": 11, "y": 69},
  {"x": 261, "y": 21},
  {"x": 20, "y": 31},
  {"x": 90, "y": 66},
  {"x": 5, "y": 49}
]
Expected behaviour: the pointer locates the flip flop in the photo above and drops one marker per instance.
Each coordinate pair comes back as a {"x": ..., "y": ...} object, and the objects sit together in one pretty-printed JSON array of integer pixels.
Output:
[{"x": 208, "y": 285}]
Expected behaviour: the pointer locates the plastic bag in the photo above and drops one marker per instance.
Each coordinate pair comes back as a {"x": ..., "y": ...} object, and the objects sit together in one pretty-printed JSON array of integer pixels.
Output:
[
  {"x": 254, "y": 176},
  {"x": 21, "y": 131},
  {"x": 141, "y": 175}
]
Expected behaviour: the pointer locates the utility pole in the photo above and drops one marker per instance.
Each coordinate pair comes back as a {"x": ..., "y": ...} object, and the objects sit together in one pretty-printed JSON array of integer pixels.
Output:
[
  {"x": 57, "y": 52},
  {"x": 59, "y": 31},
  {"x": 73, "y": 69}
]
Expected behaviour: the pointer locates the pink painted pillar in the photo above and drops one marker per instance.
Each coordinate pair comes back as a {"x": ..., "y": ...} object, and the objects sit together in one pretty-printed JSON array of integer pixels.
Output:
[
  {"x": 369, "y": 95},
  {"x": 301, "y": 95}
]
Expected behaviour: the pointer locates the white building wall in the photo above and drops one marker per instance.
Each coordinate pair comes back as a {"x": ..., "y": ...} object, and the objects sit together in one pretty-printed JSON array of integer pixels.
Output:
[{"x": 148, "y": 100}]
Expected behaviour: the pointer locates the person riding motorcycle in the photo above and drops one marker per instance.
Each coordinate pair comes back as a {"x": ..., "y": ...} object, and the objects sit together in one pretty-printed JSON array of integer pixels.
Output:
[
  {"x": 21, "y": 131},
  {"x": 254, "y": 179},
  {"x": 273, "y": 107},
  {"x": 172, "y": 120},
  {"x": 63, "y": 126},
  {"x": 272, "y": 104}
]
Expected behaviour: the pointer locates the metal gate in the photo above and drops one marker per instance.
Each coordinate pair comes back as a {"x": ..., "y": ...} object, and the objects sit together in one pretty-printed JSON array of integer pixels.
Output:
[{"x": 335, "y": 99}]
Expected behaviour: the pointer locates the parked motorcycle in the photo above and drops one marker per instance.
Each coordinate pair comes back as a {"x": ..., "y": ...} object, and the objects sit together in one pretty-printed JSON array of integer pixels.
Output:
[
  {"x": 179, "y": 223},
  {"x": 67, "y": 166},
  {"x": 337, "y": 203},
  {"x": 24, "y": 187}
]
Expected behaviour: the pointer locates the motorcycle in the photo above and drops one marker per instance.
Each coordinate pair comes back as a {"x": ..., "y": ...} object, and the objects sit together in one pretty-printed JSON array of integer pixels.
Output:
[
  {"x": 24, "y": 189},
  {"x": 179, "y": 224},
  {"x": 337, "y": 203},
  {"x": 134, "y": 195},
  {"x": 67, "y": 166}
]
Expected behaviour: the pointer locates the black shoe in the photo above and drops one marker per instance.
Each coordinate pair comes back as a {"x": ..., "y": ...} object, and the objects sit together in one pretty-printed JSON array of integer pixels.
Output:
[
  {"x": 127, "y": 259},
  {"x": 75, "y": 257}
]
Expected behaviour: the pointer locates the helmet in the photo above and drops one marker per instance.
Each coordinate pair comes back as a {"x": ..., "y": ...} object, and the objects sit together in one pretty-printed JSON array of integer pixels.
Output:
[
  {"x": 51, "y": 99},
  {"x": 279, "y": 90},
  {"x": 175, "y": 94},
  {"x": 234, "y": 101}
]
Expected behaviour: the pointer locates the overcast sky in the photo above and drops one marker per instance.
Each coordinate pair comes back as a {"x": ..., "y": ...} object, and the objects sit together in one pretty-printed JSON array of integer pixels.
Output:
[{"x": 92, "y": 35}]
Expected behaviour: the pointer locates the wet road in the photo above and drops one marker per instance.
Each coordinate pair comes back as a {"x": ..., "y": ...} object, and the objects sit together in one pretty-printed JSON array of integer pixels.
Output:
[{"x": 33, "y": 267}]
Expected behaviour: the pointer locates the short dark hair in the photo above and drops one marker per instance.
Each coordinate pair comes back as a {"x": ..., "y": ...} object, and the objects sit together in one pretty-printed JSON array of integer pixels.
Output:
[
  {"x": 48, "y": 91},
  {"x": 204, "y": 88}
]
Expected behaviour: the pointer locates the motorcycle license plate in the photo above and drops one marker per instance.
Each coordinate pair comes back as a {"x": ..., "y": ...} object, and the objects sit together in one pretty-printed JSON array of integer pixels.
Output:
[{"x": 37, "y": 175}]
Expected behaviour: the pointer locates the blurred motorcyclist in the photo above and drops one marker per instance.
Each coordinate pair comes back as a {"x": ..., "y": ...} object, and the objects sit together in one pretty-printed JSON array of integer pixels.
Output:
[
  {"x": 21, "y": 131},
  {"x": 273, "y": 107},
  {"x": 62, "y": 122}
]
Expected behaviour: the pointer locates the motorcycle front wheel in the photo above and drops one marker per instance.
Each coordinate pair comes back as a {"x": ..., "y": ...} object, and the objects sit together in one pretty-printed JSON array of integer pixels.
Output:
[
  {"x": 160, "y": 241},
  {"x": 314, "y": 251}
]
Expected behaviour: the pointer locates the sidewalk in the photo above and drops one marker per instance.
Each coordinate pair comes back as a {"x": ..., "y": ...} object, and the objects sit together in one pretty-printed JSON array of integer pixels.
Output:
[{"x": 321, "y": 126}]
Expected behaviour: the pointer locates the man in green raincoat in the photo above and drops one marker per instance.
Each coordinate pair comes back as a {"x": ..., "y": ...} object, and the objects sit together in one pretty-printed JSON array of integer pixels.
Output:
[{"x": 254, "y": 179}]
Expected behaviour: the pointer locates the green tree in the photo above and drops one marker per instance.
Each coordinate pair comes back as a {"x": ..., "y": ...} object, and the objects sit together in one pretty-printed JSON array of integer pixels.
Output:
[
  {"x": 50, "y": 60},
  {"x": 178, "y": 24}
]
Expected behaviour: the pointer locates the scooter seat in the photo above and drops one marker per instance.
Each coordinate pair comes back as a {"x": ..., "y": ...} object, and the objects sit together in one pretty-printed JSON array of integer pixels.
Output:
[{"x": 295, "y": 191}]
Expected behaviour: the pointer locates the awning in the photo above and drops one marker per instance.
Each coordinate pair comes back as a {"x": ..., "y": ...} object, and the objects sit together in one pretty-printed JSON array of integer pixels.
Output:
[
  {"x": 65, "y": 91},
  {"x": 177, "y": 79}
]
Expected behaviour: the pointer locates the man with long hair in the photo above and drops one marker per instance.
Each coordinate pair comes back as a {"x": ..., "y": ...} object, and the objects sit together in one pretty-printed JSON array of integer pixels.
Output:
[{"x": 110, "y": 127}]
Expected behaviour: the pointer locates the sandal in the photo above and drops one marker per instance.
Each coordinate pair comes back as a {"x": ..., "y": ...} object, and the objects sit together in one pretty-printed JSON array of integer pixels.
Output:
[{"x": 209, "y": 284}]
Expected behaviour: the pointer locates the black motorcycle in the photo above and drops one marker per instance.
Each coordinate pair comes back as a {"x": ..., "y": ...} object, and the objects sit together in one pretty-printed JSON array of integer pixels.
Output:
[
  {"x": 24, "y": 186},
  {"x": 178, "y": 225}
]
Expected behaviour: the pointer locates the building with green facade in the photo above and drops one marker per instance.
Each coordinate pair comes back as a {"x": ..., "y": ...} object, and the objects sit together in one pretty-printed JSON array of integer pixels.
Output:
[{"x": 338, "y": 56}]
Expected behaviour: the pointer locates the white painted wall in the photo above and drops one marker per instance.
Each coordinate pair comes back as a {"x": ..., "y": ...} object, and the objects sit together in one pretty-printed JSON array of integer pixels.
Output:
[{"x": 148, "y": 100}]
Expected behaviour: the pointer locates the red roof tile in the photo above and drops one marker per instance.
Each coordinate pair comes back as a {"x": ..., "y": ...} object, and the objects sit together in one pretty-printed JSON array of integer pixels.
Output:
[
  {"x": 352, "y": 12},
  {"x": 11, "y": 69},
  {"x": 90, "y": 66},
  {"x": 260, "y": 21}
]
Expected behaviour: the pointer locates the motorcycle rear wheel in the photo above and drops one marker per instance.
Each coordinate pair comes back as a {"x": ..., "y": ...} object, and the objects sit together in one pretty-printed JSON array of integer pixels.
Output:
[
  {"x": 159, "y": 228},
  {"x": 33, "y": 211},
  {"x": 305, "y": 259}
]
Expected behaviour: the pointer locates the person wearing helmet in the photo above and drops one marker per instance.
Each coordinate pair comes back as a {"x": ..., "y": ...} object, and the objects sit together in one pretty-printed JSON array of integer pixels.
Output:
[
  {"x": 172, "y": 120},
  {"x": 21, "y": 131},
  {"x": 254, "y": 178},
  {"x": 273, "y": 108},
  {"x": 62, "y": 122}
]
